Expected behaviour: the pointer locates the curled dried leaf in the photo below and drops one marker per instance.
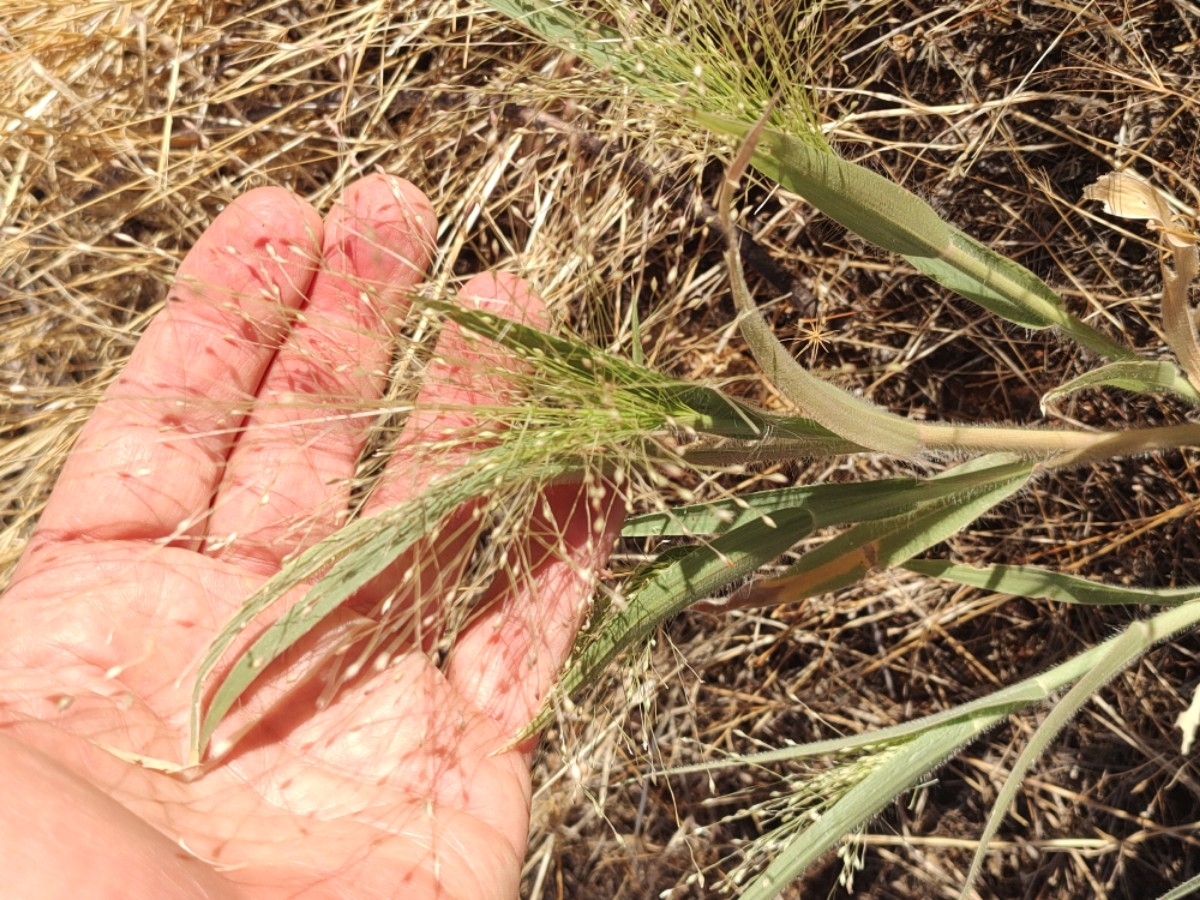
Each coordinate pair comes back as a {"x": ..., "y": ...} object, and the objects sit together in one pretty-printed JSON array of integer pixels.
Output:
[{"x": 1129, "y": 196}]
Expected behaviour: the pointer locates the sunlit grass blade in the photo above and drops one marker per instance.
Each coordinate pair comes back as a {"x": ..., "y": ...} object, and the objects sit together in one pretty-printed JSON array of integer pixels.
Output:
[
  {"x": 998, "y": 704},
  {"x": 1131, "y": 644},
  {"x": 588, "y": 374},
  {"x": 926, "y": 743},
  {"x": 662, "y": 591},
  {"x": 846, "y": 415},
  {"x": 1187, "y": 889},
  {"x": 895, "y": 219},
  {"x": 563, "y": 26},
  {"x": 1142, "y": 376},
  {"x": 848, "y": 557},
  {"x": 900, "y": 769},
  {"x": 358, "y": 552},
  {"x": 829, "y": 504},
  {"x": 1031, "y": 581}
]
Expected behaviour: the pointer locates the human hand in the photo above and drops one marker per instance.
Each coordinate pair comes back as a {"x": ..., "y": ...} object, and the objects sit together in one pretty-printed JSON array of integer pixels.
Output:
[{"x": 228, "y": 444}]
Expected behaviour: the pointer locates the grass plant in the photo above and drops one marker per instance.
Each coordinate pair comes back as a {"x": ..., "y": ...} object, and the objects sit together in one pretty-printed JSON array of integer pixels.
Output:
[{"x": 592, "y": 147}]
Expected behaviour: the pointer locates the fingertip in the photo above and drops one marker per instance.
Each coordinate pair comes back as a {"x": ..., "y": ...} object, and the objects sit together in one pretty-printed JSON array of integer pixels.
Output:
[
  {"x": 506, "y": 295},
  {"x": 273, "y": 235},
  {"x": 277, "y": 205},
  {"x": 273, "y": 214},
  {"x": 384, "y": 225},
  {"x": 382, "y": 192}
]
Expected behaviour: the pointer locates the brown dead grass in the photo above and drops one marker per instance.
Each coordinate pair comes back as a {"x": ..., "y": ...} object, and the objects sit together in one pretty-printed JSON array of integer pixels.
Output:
[{"x": 126, "y": 127}]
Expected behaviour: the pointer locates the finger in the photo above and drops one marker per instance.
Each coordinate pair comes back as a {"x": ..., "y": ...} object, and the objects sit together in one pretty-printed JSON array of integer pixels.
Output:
[
  {"x": 506, "y": 660},
  {"x": 465, "y": 374},
  {"x": 288, "y": 480},
  {"x": 147, "y": 462}
]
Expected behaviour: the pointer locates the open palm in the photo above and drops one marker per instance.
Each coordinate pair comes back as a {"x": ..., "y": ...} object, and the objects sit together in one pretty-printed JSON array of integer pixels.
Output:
[{"x": 227, "y": 445}]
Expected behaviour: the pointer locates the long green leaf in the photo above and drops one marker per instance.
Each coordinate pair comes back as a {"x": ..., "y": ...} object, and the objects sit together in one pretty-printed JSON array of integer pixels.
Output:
[
  {"x": 360, "y": 551},
  {"x": 998, "y": 704},
  {"x": 846, "y": 415},
  {"x": 1141, "y": 376},
  {"x": 848, "y": 557},
  {"x": 1031, "y": 581},
  {"x": 874, "y": 208},
  {"x": 1132, "y": 643},
  {"x": 828, "y": 504},
  {"x": 902, "y": 769},
  {"x": 896, "y": 219},
  {"x": 930, "y": 740},
  {"x": 667, "y": 590}
]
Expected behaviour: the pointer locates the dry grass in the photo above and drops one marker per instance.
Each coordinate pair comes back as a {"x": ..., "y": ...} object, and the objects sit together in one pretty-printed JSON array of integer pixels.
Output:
[{"x": 126, "y": 127}]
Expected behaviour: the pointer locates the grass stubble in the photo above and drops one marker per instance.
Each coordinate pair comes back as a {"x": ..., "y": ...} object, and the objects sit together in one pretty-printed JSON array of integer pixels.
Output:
[{"x": 129, "y": 126}]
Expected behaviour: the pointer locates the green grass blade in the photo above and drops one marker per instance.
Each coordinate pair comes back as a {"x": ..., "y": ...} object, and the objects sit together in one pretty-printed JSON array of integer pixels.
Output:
[
  {"x": 1189, "y": 887},
  {"x": 997, "y": 704},
  {"x": 829, "y": 504},
  {"x": 999, "y": 302},
  {"x": 668, "y": 589},
  {"x": 901, "y": 769},
  {"x": 994, "y": 707},
  {"x": 850, "y": 417},
  {"x": 848, "y": 557},
  {"x": 1131, "y": 644},
  {"x": 927, "y": 742},
  {"x": 359, "y": 551},
  {"x": 1142, "y": 376},
  {"x": 994, "y": 275},
  {"x": 558, "y": 24},
  {"x": 1031, "y": 581},
  {"x": 874, "y": 208},
  {"x": 895, "y": 219}
]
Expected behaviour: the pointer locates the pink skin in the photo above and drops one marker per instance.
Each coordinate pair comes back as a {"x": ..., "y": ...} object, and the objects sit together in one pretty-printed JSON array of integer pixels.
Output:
[{"x": 199, "y": 473}]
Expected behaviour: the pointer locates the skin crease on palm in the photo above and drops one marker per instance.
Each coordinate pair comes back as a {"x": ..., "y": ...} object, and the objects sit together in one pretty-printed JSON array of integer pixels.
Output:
[{"x": 200, "y": 472}]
